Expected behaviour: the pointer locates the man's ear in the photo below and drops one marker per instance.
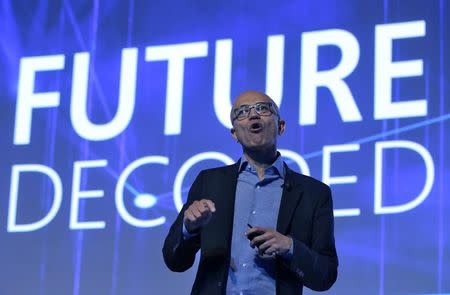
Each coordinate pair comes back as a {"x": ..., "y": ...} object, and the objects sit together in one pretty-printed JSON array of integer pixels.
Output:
[
  {"x": 281, "y": 126},
  {"x": 233, "y": 133}
]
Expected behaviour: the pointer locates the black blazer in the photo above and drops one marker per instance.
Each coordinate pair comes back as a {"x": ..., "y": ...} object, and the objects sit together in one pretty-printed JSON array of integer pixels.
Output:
[{"x": 306, "y": 214}]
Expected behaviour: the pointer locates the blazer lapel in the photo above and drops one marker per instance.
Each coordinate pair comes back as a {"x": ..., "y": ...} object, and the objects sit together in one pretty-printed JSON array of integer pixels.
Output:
[
  {"x": 292, "y": 193},
  {"x": 229, "y": 191},
  {"x": 224, "y": 188}
]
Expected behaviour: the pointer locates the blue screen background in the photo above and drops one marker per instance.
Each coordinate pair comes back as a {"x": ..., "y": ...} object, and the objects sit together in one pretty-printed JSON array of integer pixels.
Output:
[{"x": 401, "y": 253}]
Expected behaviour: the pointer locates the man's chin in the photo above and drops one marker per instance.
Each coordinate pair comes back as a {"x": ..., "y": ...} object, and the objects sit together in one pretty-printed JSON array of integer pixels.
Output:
[{"x": 258, "y": 147}]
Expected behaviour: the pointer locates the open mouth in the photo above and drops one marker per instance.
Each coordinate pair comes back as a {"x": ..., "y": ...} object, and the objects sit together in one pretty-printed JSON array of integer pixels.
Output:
[{"x": 256, "y": 127}]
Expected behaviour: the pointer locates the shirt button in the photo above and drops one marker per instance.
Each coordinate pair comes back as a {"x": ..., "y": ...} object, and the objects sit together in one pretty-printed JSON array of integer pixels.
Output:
[
  {"x": 253, "y": 212},
  {"x": 257, "y": 187},
  {"x": 244, "y": 264}
]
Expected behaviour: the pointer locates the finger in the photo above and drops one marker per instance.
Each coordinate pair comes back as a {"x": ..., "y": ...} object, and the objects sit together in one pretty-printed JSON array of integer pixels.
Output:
[
  {"x": 262, "y": 238},
  {"x": 255, "y": 230},
  {"x": 202, "y": 207},
  {"x": 188, "y": 216},
  {"x": 210, "y": 204},
  {"x": 258, "y": 241},
  {"x": 272, "y": 250},
  {"x": 267, "y": 244},
  {"x": 198, "y": 205},
  {"x": 195, "y": 212}
]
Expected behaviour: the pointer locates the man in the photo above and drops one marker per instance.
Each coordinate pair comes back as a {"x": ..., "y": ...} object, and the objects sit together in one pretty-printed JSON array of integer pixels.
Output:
[{"x": 261, "y": 227}]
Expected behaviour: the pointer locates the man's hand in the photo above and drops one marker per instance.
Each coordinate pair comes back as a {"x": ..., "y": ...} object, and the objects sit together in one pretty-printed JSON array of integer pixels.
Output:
[
  {"x": 269, "y": 241},
  {"x": 198, "y": 214}
]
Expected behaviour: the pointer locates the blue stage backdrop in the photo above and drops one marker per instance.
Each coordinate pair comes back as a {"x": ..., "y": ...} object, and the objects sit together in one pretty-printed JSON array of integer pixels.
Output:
[{"x": 109, "y": 109}]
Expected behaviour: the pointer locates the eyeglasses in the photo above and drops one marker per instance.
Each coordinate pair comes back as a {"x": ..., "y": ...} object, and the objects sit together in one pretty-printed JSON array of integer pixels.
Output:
[{"x": 261, "y": 108}]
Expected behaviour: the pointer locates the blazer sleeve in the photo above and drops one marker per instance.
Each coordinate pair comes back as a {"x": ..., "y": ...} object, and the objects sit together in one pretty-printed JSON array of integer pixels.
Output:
[
  {"x": 317, "y": 265},
  {"x": 179, "y": 253}
]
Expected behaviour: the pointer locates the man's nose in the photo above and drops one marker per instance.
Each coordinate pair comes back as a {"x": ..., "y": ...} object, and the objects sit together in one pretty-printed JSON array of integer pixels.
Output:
[{"x": 253, "y": 114}]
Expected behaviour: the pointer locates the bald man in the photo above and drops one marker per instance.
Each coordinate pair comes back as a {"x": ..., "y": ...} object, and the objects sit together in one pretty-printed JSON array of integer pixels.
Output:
[{"x": 261, "y": 228}]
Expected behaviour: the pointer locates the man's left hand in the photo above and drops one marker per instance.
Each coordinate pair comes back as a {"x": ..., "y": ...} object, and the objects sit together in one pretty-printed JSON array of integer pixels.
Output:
[{"x": 269, "y": 241}]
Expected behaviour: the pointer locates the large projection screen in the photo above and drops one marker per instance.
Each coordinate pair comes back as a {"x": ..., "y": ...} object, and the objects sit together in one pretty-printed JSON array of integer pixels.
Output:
[{"x": 109, "y": 109}]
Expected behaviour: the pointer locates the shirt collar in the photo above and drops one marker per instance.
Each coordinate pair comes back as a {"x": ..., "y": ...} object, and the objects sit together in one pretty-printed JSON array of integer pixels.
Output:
[{"x": 278, "y": 165}]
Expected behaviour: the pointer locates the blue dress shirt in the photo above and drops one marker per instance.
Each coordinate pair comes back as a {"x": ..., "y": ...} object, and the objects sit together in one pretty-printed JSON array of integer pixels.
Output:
[{"x": 257, "y": 203}]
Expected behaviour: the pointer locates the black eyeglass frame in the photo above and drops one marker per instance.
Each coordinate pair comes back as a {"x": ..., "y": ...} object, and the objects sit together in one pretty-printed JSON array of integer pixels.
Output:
[{"x": 272, "y": 110}]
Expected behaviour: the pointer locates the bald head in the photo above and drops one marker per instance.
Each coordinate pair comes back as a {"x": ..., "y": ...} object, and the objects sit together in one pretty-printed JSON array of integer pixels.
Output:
[{"x": 249, "y": 98}]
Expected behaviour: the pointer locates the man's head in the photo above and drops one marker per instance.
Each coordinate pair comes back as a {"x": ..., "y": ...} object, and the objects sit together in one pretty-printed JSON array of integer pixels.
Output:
[{"x": 256, "y": 121}]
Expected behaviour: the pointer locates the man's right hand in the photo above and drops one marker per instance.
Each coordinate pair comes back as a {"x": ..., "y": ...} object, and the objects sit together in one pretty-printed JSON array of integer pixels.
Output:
[{"x": 198, "y": 214}]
